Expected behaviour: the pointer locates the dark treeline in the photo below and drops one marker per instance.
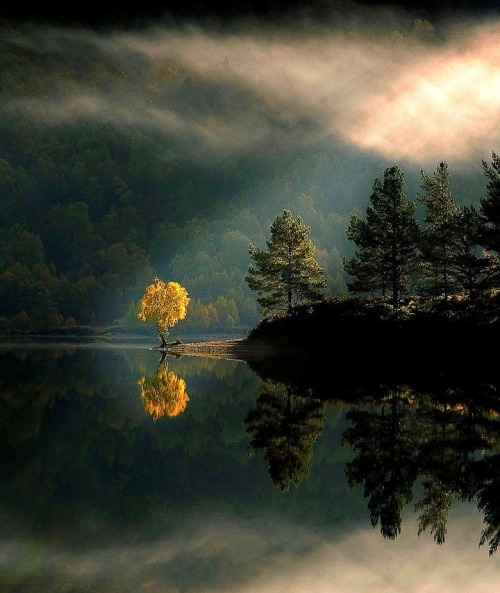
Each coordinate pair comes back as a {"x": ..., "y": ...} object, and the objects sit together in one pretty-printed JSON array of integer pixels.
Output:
[{"x": 444, "y": 265}]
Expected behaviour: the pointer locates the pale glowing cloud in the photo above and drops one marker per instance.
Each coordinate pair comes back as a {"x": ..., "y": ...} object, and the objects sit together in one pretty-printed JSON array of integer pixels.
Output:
[
  {"x": 448, "y": 104},
  {"x": 415, "y": 94},
  {"x": 220, "y": 555}
]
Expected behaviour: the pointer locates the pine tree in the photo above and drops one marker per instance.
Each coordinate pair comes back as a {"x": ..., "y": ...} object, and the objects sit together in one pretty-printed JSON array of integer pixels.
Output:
[
  {"x": 387, "y": 256},
  {"x": 437, "y": 235},
  {"x": 468, "y": 265},
  {"x": 490, "y": 205},
  {"x": 287, "y": 273},
  {"x": 489, "y": 210}
]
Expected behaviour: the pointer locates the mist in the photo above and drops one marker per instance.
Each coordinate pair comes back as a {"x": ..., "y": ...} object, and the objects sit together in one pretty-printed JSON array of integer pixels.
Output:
[{"x": 405, "y": 90}]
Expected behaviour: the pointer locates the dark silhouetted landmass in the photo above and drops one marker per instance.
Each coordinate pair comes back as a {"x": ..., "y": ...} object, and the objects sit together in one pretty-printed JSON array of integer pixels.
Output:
[{"x": 354, "y": 348}]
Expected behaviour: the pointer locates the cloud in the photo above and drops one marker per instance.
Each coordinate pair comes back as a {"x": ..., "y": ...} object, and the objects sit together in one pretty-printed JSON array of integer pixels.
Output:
[
  {"x": 447, "y": 103},
  {"x": 416, "y": 91}
]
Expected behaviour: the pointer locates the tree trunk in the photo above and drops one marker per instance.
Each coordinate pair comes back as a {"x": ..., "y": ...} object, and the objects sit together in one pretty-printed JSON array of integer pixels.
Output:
[{"x": 163, "y": 335}]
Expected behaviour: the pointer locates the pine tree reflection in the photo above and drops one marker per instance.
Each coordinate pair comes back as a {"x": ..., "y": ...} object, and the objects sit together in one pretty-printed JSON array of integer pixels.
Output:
[
  {"x": 285, "y": 424},
  {"x": 435, "y": 505},
  {"x": 384, "y": 439},
  {"x": 164, "y": 394},
  {"x": 449, "y": 426},
  {"x": 488, "y": 497},
  {"x": 446, "y": 438},
  {"x": 429, "y": 442},
  {"x": 461, "y": 432}
]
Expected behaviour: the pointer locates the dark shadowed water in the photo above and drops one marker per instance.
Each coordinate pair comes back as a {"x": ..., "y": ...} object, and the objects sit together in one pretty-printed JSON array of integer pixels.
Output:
[{"x": 123, "y": 472}]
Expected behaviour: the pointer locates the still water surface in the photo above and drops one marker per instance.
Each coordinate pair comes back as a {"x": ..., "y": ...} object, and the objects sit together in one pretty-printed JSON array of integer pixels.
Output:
[{"x": 122, "y": 472}]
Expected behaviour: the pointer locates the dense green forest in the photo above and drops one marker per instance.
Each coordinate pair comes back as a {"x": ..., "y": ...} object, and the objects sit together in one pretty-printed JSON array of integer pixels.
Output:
[
  {"x": 91, "y": 214},
  {"x": 92, "y": 211}
]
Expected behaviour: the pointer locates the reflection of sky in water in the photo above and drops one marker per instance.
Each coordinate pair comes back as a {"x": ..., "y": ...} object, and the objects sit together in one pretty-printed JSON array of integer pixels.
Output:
[{"x": 219, "y": 554}]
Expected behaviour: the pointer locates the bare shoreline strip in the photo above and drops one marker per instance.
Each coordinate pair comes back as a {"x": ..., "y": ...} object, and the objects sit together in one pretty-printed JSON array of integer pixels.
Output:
[{"x": 240, "y": 349}]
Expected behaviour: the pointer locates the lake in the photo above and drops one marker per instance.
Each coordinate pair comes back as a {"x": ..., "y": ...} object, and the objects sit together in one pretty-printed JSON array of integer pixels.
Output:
[{"x": 122, "y": 471}]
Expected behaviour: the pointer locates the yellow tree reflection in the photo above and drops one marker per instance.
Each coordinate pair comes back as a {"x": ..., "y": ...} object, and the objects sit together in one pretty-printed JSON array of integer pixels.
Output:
[{"x": 165, "y": 395}]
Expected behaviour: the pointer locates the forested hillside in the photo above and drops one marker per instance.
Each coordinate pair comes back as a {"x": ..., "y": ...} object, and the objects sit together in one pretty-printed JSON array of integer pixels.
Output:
[{"x": 91, "y": 214}]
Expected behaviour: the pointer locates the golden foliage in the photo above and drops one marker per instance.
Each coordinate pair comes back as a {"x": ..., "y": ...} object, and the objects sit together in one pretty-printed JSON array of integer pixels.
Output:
[
  {"x": 165, "y": 302},
  {"x": 165, "y": 395}
]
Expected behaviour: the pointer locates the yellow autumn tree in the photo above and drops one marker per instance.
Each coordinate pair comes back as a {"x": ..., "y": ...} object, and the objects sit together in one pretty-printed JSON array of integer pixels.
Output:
[
  {"x": 165, "y": 395},
  {"x": 166, "y": 304}
]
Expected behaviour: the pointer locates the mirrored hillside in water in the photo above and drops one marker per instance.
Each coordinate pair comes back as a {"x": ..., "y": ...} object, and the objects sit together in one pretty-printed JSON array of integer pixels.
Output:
[{"x": 123, "y": 469}]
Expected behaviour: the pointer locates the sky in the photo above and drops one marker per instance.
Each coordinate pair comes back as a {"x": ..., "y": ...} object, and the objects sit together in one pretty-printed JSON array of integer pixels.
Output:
[{"x": 396, "y": 82}]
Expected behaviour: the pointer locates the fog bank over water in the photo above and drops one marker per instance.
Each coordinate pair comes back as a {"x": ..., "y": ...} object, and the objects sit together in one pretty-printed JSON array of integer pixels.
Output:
[
  {"x": 405, "y": 89},
  {"x": 227, "y": 556}
]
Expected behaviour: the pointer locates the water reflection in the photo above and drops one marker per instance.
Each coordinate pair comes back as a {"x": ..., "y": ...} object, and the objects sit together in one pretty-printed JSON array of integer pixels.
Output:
[
  {"x": 384, "y": 440},
  {"x": 165, "y": 393},
  {"x": 97, "y": 495},
  {"x": 448, "y": 438},
  {"x": 427, "y": 448},
  {"x": 80, "y": 449},
  {"x": 214, "y": 554},
  {"x": 285, "y": 425}
]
